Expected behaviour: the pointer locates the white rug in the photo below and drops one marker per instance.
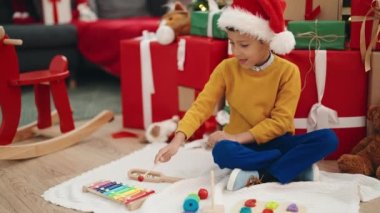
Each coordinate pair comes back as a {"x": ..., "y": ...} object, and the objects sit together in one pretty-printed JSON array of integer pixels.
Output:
[{"x": 334, "y": 193}]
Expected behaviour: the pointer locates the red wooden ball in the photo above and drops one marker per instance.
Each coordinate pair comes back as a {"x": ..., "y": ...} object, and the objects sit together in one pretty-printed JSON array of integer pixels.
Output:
[
  {"x": 140, "y": 178},
  {"x": 203, "y": 193}
]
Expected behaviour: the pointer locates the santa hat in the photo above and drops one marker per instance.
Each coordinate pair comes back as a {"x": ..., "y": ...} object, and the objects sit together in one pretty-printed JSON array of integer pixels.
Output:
[{"x": 260, "y": 18}]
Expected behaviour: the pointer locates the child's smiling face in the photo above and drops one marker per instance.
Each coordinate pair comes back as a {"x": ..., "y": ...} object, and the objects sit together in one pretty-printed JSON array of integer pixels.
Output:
[{"x": 248, "y": 50}]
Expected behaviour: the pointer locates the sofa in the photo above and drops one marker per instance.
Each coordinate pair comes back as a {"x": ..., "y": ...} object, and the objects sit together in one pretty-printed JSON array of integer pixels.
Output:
[{"x": 95, "y": 42}]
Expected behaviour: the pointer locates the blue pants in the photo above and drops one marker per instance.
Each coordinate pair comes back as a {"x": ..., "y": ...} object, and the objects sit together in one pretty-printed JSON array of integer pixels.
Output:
[{"x": 284, "y": 157}]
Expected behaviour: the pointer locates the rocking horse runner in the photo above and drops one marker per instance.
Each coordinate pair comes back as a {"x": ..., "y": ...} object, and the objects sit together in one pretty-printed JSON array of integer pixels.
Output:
[{"x": 44, "y": 82}]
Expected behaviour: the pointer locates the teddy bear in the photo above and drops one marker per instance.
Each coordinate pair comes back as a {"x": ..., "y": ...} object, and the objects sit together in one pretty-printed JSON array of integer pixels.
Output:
[{"x": 365, "y": 156}]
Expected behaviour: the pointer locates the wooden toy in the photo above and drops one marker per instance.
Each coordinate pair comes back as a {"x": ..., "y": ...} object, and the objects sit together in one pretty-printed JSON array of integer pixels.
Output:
[
  {"x": 191, "y": 203},
  {"x": 8, "y": 41},
  {"x": 151, "y": 176},
  {"x": 132, "y": 197},
  {"x": 213, "y": 208},
  {"x": 45, "y": 82},
  {"x": 257, "y": 206},
  {"x": 202, "y": 193}
]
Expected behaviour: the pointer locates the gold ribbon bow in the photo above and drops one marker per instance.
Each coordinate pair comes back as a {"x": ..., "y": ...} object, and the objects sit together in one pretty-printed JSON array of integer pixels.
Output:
[{"x": 365, "y": 51}]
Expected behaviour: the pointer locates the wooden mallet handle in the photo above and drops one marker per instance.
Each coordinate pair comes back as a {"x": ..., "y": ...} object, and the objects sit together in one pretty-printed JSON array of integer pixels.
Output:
[
  {"x": 15, "y": 42},
  {"x": 9, "y": 41}
]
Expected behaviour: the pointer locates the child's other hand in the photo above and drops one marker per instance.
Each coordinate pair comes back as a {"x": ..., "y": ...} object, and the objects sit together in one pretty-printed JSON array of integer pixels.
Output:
[{"x": 218, "y": 136}]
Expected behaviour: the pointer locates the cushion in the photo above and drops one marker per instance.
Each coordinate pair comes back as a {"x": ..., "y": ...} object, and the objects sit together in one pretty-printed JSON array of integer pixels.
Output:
[
  {"x": 5, "y": 12},
  {"x": 43, "y": 36},
  {"x": 121, "y": 8}
]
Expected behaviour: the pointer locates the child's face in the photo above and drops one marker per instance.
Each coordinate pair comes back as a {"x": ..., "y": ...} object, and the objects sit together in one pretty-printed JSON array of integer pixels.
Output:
[{"x": 247, "y": 49}]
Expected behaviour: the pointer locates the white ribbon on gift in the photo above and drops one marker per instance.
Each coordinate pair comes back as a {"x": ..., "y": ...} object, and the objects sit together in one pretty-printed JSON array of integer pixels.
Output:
[
  {"x": 147, "y": 76},
  {"x": 213, "y": 9},
  {"x": 181, "y": 54},
  {"x": 320, "y": 116}
]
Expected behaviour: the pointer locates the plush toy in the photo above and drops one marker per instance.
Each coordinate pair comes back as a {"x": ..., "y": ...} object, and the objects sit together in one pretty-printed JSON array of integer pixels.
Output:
[
  {"x": 174, "y": 23},
  {"x": 161, "y": 131},
  {"x": 21, "y": 13},
  {"x": 85, "y": 12},
  {"x": 365, "y": 156}
]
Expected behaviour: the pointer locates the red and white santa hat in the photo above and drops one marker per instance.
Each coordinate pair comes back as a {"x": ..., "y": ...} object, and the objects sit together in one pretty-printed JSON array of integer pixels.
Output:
[{"x": 263, "y": 19}]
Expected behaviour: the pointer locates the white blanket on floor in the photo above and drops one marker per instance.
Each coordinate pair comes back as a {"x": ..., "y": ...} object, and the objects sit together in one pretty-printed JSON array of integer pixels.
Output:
[{"x": 333, "y": 193}]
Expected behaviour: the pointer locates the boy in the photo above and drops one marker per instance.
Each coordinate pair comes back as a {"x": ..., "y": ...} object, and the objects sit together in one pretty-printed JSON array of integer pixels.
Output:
[{"x": 262, "y": 90}]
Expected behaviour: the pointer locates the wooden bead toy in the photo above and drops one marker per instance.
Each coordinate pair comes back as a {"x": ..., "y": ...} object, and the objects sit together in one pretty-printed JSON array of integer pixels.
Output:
[
  {"x": 132, "y": 197},
  {"x": 292, "y": 208},
  {"x": 250, "y": 203},
  {"x": 202, "y": 193},
  {"x": 191, "y": 203},
  {"x": 245, "y": 210}
]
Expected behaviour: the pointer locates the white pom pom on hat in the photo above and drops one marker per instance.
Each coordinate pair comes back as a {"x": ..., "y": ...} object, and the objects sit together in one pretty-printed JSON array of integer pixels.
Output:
[{"x": 263, "y": 19}]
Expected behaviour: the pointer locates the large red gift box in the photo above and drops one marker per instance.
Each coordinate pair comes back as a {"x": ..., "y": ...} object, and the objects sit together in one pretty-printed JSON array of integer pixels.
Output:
[
  {"x": 345, "y": 91},
  {"x": 359, "y": 10},
  {"x": 164, "y": 102},
  {"x": 202, "y": 55}
]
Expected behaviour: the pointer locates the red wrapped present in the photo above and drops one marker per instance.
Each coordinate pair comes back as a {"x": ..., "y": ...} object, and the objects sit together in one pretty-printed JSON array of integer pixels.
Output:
[
  {"x": 201, "y": 56},
  {"x": 56, "y": 11},
  {"x": 365, "y": 15},
  {"x": 313, "y": 9},
  {"x": 149, "y": 89},
  {"x": 334, "y": 95}
]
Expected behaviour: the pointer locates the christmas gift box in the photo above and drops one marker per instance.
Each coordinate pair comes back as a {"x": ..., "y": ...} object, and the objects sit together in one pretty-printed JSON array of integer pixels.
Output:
[
  {"x": 205, "y": 23},
  {"x": 56, "y": 11},
  {"x": 200, "y": 56},
  {"x": 374, "y": 86},
  {"x": 374, "y": 80},
  {"x": 186, "y": 97},
  {"x": 318, "y": 34},
  {"x": 365, "y": 15},
  {"x": 148, "y": 82},
  {"x": 334, "y": 95},
  {"x": 313, "y": 9}
]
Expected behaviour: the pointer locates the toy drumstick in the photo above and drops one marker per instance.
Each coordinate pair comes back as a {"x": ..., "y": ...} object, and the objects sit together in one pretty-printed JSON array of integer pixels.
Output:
[{"x": 151, "y": 176}]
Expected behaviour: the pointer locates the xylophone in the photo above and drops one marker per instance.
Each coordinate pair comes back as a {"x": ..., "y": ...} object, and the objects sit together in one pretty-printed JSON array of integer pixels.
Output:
[{"x": 132, "y": 197}]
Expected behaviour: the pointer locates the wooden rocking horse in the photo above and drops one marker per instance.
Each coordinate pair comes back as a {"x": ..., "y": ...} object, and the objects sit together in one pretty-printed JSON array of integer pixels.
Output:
[{"x": 45, "y": 82}]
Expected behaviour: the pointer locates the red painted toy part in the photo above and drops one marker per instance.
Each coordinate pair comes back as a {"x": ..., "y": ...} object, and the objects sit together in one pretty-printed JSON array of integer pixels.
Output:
[
  {"x": 10, "y": 98},
  {"x": 250, "y": 203},
  {"x": 45, "y": 82}
]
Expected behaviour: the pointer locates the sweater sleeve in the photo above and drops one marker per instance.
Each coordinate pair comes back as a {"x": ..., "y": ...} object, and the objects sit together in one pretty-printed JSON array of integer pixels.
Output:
[
  {"x": 281, "y": 118},
  {"x": 203, "y": 107}
]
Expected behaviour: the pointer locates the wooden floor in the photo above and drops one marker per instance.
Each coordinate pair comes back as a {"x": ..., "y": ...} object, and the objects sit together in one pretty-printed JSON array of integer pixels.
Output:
[{"x": 23, "y": 182}]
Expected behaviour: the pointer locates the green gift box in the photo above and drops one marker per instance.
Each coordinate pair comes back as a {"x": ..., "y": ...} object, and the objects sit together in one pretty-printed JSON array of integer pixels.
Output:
[
  {"x": 322, "y": 35},
  {"x": 199, "y": 24}
]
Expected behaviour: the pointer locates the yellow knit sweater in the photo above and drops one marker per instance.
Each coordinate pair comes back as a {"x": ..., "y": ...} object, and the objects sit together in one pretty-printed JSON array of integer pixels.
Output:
[{"x": 263, "y": 103}]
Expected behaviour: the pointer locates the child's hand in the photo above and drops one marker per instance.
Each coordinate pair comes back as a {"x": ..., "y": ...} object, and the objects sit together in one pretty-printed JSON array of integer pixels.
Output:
[
  {"x": 171, "y": 149},
  {"x": 218, "y": 136}
]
